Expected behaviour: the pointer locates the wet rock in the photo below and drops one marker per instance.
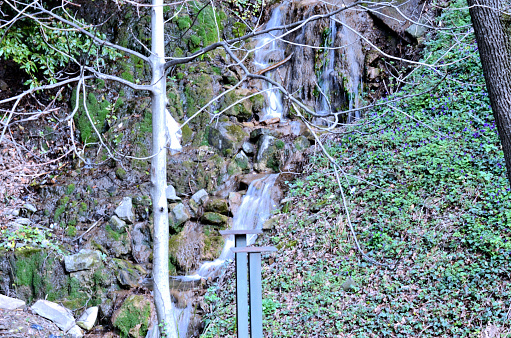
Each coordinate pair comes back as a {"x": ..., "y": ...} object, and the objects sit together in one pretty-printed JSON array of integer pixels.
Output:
[
  {"x": 184, "y": 248},
  {"x": 217, "y": 205},
  {"x": 106, "y": 308},
  {"x": 88, "y": 318},
  {"x": 241, "y": 160},
  {"x": 170, "y": 192},
  {"x": 200, "y": 197},
  {"x": 140, "y": 248},
  {"x": 8, "y": 303},
  {"x": 30, "y": 208},
  {"x": 214, "y": 218},
  {"x": 301, "y": 143},
  {"x": 241, "y": 110},
  {"x": 267, "y": 157},
  {"x": 125, "y": 210},
  {"x": 178, "y": 216},
  {"x": 23, "y": 221},
  {"x": 417, "y": 31},
  {"x": 116, "y": 224},
  {"x": 84, "y": 260},
  {"x": 234, "y": 202},
  {"x": 227, "y": 137},
  {"x": 248, "y": 148},
  {"x": 297, "y": 128},
  {"x": 127, "y": 274},
  {"x": 133, "y": 317},
  {"x": 74, "y": 332},
  {"x": 61, "y": 316}
]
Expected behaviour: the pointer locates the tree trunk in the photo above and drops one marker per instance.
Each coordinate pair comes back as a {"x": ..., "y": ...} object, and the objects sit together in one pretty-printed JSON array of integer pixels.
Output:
[
  {"x": 494, "y": 50},
  {"x": 159, "y": 177}
]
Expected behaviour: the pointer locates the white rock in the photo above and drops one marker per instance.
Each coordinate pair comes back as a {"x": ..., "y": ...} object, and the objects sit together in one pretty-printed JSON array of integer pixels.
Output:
[
  {"x": 61, "y": 316},
  {"x": 8, "y": 303},
  {"x": 125, "y": 210},
  {"x": 84, "y": 260},
  {"x": 200, "y": 197},
  {"x": 88, "y": 318},
  {"x": 74, "y": 332}
]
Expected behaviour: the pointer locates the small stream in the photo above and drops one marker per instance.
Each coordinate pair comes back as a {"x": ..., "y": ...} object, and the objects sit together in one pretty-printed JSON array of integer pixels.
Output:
[{"x": 256, "y": 207}]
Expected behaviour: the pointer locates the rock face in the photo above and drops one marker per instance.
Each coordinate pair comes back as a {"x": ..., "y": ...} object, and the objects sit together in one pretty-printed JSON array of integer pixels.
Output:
[
  {"x": 116, "y": 223},
  {"x": 227, "y": 138},
  {"x": 125, "y": 210},
  {"x": 217, "y": 205},
  {"x": 8, "y": 303},
  {"x": 140, "y": 239},
  {"x": 61, "y": 316},
  {"x": 133, "y": 317},
  {"x": 84, "y": 260}
]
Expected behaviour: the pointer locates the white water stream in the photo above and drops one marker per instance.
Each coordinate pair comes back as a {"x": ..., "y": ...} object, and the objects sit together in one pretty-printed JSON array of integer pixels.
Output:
[
  {"x": 255, "y": 209},
  {"x": 328, "y": 74},
  {"x": 269, "y": 50}
]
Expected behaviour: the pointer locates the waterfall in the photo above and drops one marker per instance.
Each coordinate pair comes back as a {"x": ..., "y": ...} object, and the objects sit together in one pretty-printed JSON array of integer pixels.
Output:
[
  {"x": 354, "y": 61},
  {"x": 255, "y": 209},
  {"x": 328, "y": 75},
  {"x": 270, "y": 50}
]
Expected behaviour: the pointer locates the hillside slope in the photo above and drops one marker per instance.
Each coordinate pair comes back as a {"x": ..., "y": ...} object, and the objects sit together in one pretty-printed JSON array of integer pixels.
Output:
[{"x": 428, "y": 200}]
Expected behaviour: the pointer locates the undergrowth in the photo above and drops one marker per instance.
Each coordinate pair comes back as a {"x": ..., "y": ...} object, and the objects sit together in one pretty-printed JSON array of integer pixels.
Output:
[{"x": 428, "y": 198}]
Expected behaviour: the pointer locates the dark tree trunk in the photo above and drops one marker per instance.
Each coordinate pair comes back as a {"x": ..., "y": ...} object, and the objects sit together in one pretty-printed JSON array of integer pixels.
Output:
[{"x": 494, "y": 49}]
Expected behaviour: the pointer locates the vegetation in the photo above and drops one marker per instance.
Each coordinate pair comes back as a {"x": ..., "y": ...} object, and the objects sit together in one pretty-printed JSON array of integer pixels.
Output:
[{"x": 431, "y": 205}]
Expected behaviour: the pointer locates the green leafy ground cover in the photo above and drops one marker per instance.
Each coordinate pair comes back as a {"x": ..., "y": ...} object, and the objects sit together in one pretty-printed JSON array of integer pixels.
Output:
[{"x": 436, "y": 210}]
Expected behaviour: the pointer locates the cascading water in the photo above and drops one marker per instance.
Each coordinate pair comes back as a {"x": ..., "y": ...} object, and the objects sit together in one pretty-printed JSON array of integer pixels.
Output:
[
  {"x": 255, "y": 209},
  {"x": 328, "y": 75},
  {"x": 269, "y": 50}
]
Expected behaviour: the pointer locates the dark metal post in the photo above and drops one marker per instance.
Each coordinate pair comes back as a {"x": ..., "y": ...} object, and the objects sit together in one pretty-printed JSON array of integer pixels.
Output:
[
  {"x": 256, "y": 301},
  {"x": 255, "y": 287},
  {"x": 242, "y": 289}
]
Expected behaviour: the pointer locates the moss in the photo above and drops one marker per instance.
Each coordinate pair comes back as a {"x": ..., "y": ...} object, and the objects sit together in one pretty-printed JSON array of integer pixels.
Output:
[
  {"x": 112, "y": 234},
  {"x": 83, "y": 208},
  {"x": 70, "y": 189},
  {"x": 187, "y": 134},
  {"x": 280, "y": 144},
  {"x": 100, "y": 84},
  {"x": 72, "y": 222},
  {"x": 120, "y": 173},
  {"x": 178, "y": 52},
  {"x": 128, "y": 76},
  {"x": 133, "y": 316},
  {"x": 71, "y": 231},
  {"x": 239, "y": 29},
  {"x": 183, "y": 22},
  {"x": 97, "y": 113},
  {"x": 180, "y": 75}
]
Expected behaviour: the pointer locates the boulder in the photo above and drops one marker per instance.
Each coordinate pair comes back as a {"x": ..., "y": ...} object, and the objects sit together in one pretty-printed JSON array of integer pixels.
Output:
[
  {"x": 248, "y": 148},
  {"x": 84, "y": 260},
  {"x": 200, "y": 197},
  {"x": 241, "y": 110},
  {"x": 128, "y": 275},
  {"x": 234, "y": 202},
  {"x": 140, "y": 248},
  {"x": 217, "y": 205},
  {"x": 125, "y": 210},
  {"x": 8, "y": 303},
  {"x": 74, "y": 332},
  {"x": 215, "y": 219},
  {"x": 88, "y": 318},
  {"x": 178, "y": 215},
  {"x": 301, "y": 143},
  {"x": 61, "y": 316},
  {"x": 267, "y": 157},
  {"x": 116, "y": 224},
  {"x": 396, "y": 18},
  {"x": 170, "y": 192},
  {"x": 227, "y": 137},
  {"x": 241, "y": 160},
  {"x": 133, "y": 317}
]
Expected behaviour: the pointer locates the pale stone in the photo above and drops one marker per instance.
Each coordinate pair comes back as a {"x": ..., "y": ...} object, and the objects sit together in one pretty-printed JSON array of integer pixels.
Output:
[
  {"x": 61, "y": 316},
  {"x": 8, "y": 303},
  {"x": 88, "y": 318},
  {"x": 170, "y": 192},
  {"x": 125, "y": 210},
  {"x": 116, "y": 223},
  {"x": 200, "y": 197},
  {"x": 74, "y": 332},
  {"x": 83, "y": 260}
]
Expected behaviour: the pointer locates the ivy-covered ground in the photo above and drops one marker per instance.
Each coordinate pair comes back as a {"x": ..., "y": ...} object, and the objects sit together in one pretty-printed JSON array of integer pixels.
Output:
[{"x": 436, "y": 211}]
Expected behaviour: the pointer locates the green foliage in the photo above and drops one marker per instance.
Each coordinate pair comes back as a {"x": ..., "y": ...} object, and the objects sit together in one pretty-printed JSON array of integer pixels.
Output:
[
  {"x": 432, "y": 203},
  {"x": 97, "y": 111},
  {"x": 25, "y": 236},
  {"x": 36, "y": 47}
]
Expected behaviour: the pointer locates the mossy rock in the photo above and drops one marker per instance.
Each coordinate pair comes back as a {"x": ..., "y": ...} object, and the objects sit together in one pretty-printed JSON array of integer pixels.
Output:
[
  {"x": 217, "y": 205},
  {"x": 227, "y": 138},
  {"x": 242, "y": 110},
  {"x": 215, "y": 219},
  {"x": 132, "y": 318}
]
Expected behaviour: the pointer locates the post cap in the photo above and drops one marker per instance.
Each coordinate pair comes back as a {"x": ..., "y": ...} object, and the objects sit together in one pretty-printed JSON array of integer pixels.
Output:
[
  {"x": 241, "y": 232},
  {"x": 254, "y": 249}
]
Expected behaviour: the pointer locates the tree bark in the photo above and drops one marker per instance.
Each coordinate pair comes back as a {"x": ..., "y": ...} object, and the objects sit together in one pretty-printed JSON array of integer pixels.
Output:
[
  {"x": 162, "y": 300},
  {"x": 494, "y": 50}
]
